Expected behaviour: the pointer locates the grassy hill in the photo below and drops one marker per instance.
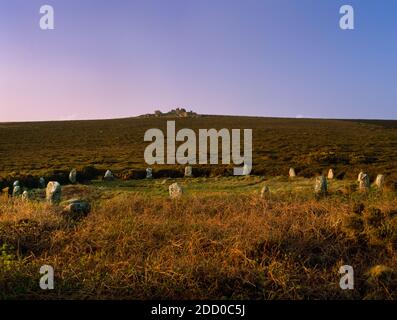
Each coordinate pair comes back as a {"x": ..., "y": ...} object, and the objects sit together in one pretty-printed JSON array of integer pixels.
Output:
[
  {"x": 51, "y": 149},
  {"x": 221, "y": 240}
]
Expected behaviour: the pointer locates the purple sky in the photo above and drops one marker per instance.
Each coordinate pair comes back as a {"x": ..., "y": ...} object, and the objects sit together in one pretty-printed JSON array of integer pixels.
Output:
[{"x": 118, "y": 58}]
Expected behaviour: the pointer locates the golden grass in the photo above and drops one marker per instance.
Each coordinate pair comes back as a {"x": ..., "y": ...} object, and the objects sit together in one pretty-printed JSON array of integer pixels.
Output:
[{"x": 220, "y": 246}]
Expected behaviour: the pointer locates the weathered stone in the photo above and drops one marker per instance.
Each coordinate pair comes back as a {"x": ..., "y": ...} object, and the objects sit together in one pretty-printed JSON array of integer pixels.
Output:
[
  {"x": 364, "y": 184},
  {"x": 25, "y": 196},
  {"x": 76, "y": 208},
  {"x": 73, "y": 176},
  {"x": 188, "y": 172},
  {"x": 175, "y": 190},
  {"x": 16, "y": 184},
  {"x": 292, "y": 172},
  {"x": 41, "y": 183},
  {"x": 330, "y": 174},
  {"x": 265, "y": 191},
  {"x": 321, "y": 185},
  {"x": 17, "y": 191},
  {"x": 380, "y": 181},
  {"x": 108, "y": 175},
  {"x": 53, "y": 192},
  {"x": 5, "y": 191},
  {"x": 360, "y": 175},
  {"x": 246, "y": 170},
  {"x": 149, "y": 173}
]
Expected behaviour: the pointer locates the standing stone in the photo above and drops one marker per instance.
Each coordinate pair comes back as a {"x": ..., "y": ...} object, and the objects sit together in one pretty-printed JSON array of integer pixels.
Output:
[
  {"x": 188, "y": 172},
  {"x": 380, "y": 181},
  {"x": 53, "y": 192},
  {"x": 265, "y": 191},
  {"x": 16, "y": 184},
  {"x": 25, "y": 196},
  {"x": 364, "y": 183},
  {"x": 108, "y": 175},
  {"x": 360, "y": 175},
  {"x": 330, "y": 174},
  {"x": 175, "y": 191},
  {"x": 73, "y": 176},
  {"x": 292, "y": 172},
  {"x": 246, "y": 170},
  {"x": 17, "y": 191},
  {"x": 5, "y": 192},
  {"x": 321, "y": 185},
  {"x": 41, "y": 183},
  {"x": 149, "y": 173}
]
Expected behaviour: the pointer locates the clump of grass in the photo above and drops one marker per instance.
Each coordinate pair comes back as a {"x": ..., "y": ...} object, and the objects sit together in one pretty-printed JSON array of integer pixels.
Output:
[
  {"x": 374, "y": 218},
  {"x": 381, "y": 282},
  {"x": 373, "y": 226}
]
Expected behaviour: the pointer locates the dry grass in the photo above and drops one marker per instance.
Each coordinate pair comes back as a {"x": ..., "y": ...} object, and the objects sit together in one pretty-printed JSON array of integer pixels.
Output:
[{"x": 219, "y": 246}]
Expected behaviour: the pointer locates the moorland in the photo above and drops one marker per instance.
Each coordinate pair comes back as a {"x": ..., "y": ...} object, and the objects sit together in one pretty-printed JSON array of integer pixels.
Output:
[{"x": 221, "y": 239}]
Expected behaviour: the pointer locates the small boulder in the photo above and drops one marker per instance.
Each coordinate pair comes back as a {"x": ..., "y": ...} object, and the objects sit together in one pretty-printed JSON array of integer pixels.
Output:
[
  {"x": 53, "y": 192},
  {"x": 108, "y": 175},
  {"x": 292, "y": 173},
  {"x": 149, "y": 173},
  {"x": 175, "y": 191},
  {"x": 73, "y": 176},
  {"x": 76, "y": 208}
]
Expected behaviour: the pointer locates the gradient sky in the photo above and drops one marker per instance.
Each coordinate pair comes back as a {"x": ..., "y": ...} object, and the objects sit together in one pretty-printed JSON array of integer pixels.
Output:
[{"x": 120, "y": 58}]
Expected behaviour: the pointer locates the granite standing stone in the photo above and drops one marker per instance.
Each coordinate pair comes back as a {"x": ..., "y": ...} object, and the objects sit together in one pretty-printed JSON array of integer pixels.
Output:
[
  {"x": 188, "y": 172},
  {"x": 175, "y": 191},
  {"x": 321, "y": 185},
  {"x": 53, "y": 192},
  {"x": 149, "y": 173},
  {"x": 380, "y": 181},
  {"x": 16, "y": 191},
  {"x": 73, "y": 176},
  {"x": 364, "y": 184},
  {"x": 108, "y": 175}
]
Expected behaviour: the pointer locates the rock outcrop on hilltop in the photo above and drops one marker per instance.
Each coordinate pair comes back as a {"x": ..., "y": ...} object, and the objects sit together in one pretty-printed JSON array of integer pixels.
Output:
[{"x": 178, "y": 113}]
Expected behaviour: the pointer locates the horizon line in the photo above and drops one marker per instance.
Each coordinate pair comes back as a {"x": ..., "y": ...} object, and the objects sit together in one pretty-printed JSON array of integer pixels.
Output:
[{"x": 199, "y": 115}]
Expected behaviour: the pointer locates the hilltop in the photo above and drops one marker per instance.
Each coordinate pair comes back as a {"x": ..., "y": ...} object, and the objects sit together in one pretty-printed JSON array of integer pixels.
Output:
[
  {"x": 173, "y": 113},
  {"x": 51, "y": 149}
]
